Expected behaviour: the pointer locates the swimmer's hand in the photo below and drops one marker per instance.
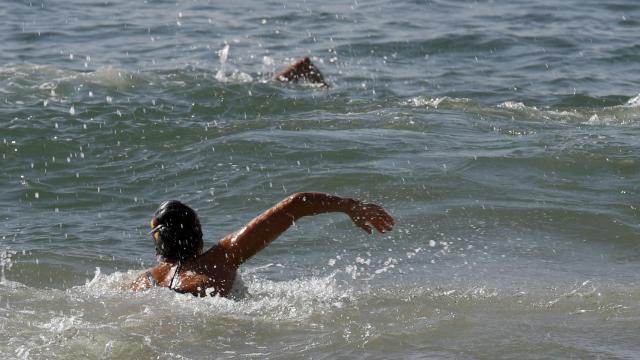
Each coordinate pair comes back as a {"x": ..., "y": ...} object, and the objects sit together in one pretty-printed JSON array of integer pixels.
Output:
[{"x": 368, "y": 216}]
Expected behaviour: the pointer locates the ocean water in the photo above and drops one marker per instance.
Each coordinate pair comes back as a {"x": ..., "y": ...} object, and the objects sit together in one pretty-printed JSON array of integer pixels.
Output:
[{"x": 501, "y": 135}]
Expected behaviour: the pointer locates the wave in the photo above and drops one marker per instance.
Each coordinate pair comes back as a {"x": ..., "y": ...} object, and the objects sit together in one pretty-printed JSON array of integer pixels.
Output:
[
  {"x": 626, "y": 112},
  {"x": 103, "y": 319},
  {"x": 455, "y": 43},
  {"x": 257, "y": 297},
  {"x": 103, "y": 315},
  {"x": 253, "y": 296},
  {"x": 232, "y": 92}
]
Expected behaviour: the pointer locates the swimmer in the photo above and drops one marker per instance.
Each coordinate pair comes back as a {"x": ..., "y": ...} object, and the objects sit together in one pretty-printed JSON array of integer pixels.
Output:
[
  {"x": 302, "y": 69},
  {"x": 185, "y": 268}
]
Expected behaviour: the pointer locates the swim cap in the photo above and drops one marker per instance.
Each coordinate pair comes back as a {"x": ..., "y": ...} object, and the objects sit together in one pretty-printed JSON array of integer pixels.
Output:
[{"x": 176, "y": 231}]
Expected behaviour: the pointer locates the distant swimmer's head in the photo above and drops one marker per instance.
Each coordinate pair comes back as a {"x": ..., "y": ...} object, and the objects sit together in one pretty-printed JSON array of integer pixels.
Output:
[{"x": 176, "y": 231}]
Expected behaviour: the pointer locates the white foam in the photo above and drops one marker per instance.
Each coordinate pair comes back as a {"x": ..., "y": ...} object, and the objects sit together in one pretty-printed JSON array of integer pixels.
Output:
[
  {"x": 633, "y": 102},
  {"x": 110, "y": 76},
  {"x": 514, "y": 105},
  {"x": 252, "y": 295},
  {"x": 234, "y": 77},
  {"x": 5, "y": 263},
  {"x": 60, "y": 324},
  {"x": 421, "y": 101}
]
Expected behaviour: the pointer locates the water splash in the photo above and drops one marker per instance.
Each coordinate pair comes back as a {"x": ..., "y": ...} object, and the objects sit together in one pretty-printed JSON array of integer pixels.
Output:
[
  {"x": 224, "y": 55},
  {"x": 252, "y": 296},
  {"x": 5, "y": 263},
  {"x": 235, "y": 75},
  {"x": 633, "y": 102}
]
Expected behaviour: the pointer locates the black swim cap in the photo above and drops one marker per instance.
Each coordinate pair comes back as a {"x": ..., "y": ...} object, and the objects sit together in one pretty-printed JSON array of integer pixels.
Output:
[{"x": 176, "y": 231}]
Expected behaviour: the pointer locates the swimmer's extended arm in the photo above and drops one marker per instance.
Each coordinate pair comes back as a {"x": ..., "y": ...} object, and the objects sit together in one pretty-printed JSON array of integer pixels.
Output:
[{"x": 266, "y": 227}]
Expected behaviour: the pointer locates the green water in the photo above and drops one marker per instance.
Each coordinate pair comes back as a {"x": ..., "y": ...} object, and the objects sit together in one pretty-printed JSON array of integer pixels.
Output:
[{"x": 502, "y": 136}]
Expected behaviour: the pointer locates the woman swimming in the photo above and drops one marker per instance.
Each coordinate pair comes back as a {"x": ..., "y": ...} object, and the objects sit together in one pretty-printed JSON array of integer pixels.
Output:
[{"x": 185, "y": 268}]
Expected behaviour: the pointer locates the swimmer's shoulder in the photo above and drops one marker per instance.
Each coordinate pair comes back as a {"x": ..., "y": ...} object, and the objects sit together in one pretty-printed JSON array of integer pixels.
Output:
[{"x": 150, "y": 278}]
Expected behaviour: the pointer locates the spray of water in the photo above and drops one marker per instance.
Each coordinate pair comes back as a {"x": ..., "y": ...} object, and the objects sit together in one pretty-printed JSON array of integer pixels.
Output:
[{"x": 5, "y": 263}]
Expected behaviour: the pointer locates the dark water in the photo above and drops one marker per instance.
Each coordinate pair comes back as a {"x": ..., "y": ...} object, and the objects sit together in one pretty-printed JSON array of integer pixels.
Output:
[{"x": 503, "y": 136}]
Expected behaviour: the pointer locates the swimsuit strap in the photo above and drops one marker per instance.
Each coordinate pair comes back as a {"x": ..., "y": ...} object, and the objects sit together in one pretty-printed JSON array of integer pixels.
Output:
[{"x": 174, "y": 275}]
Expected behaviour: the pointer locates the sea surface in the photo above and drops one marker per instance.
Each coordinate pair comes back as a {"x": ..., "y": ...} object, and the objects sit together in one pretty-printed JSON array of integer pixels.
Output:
[{"x": 503, "y": 136}]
